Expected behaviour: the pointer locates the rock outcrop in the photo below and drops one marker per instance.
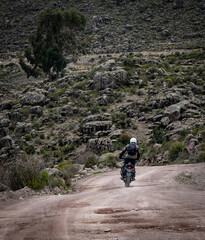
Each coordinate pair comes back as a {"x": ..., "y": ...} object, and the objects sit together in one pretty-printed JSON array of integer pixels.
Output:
[
  {"x": 33, "y": 98},
  {"x": 98, "y": 145},
  {"x": 113, "y": 79}
]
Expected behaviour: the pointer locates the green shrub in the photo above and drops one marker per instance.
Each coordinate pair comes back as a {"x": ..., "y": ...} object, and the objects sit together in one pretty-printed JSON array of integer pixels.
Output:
[
  {"x": 103, "y": 152},
  {"x": 90, "y": 162},
  {"x": 37, "y": 125},
  {"x": 50, "y": 124},
  {"x": 174, "y": 150},
  {"x": 37, "y": 181},
  {"x": 201, "y": 157},
  {"x": 25, "y": 111},
  {"x": 67, "y": 173},
  {"x": 64, "y": 164},
  {"x": 47, "y": 156},
  {"x": 2, "y": 188},
  {"x": 158, "y": 134},
  {"x": 169, "y": 82},
  {"x": 42, "y": 136},
  {"x": 63, "y": 85},
  {"x": 60, "y": 142},
  {"x": 27, "y": 173},
  {"x": 183, "y": 133},
  {"x": 198, "y": 130},
  {"x": 110, "y": 162},
  {"x": 66, "y": 149},
  {"x": 61, "y": 91},
  {"x": 29, "y": 149},
  {"x": 124, "y": 138},
  {"x": 128, "y": 62},
  {"x": 95, "y": 109},
  {"x": 15, "y": 102},
  {"x": 171, "y": 59},
  {"x": 118, "y": 145},
  {"x": 123, "y": 121},
  {"x": 42, "y": 150},
  {"x": 144, "y": 108},
  {"x": 28, "y": 136},
  {"x": 56, "y": 182},
  {"x": 203, "y": 135}
]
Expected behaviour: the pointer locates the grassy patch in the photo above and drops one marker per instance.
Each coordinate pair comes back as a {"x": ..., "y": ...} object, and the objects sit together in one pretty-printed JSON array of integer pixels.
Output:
[
  {"x": 174, "y": 150},
  {"x": 62, "y": 165},
  {"x": 110, "y": 161},
  {"x": 90, "y": 162}
]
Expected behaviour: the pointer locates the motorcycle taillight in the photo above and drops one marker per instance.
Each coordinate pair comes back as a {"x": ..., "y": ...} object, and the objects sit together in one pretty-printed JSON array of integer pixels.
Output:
[{"x": 129, "y": 167}]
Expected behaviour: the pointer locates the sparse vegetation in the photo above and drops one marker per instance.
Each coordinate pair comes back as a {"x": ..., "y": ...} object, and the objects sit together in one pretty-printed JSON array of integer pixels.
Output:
[
  {"x": 90, "y": 162},
  {"x": 174, "y": 150},
  {"x": 29, "y": 149},
  {"x": 27, "y": 173},
  {"x": 110, "y": 162},
  {"x": 201, "y": 157}
]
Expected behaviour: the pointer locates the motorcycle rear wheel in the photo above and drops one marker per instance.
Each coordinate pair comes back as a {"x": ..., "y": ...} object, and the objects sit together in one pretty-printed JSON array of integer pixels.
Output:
[{"x": 127, "y": 181}]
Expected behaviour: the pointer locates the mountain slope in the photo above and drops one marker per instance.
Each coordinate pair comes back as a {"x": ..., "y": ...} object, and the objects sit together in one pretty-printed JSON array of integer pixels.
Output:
[{"x": 128, "y": 26}]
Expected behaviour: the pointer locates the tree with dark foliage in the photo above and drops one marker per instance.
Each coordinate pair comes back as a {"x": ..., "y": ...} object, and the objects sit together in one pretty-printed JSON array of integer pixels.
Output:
[{"x": 55, "y": 33}]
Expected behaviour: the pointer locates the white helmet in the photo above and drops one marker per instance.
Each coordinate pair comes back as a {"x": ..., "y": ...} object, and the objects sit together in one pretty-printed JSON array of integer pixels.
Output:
[{"x": 133, "y": 140}]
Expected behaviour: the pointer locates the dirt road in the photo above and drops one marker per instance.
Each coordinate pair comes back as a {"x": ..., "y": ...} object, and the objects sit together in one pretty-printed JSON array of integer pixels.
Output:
[{"x": 155, "y": 207}]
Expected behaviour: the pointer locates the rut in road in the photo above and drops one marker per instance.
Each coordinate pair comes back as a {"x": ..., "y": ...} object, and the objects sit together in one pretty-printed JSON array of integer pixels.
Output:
[{"x": 154, "y": 207}]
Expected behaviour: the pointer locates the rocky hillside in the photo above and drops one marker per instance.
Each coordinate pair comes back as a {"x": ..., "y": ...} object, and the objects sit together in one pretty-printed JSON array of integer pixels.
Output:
[
  {"x": 55, "y": 132},
  {"x": 84, "y": 118},
  {"x": 114, "y": 26}
]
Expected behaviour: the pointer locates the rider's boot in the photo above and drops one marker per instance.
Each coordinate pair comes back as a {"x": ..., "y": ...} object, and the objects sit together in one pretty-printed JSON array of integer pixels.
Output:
[
  {"x": 121, "y": 173},
  {"x": 133, "y": 176}
]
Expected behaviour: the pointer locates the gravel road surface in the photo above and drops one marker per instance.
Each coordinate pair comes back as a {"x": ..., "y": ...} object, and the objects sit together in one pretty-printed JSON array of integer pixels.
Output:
[{"x": 155, "y": 207}]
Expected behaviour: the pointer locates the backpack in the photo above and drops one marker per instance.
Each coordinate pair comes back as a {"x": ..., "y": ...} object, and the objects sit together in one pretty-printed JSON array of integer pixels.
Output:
[{"x": 132, "y": 149}]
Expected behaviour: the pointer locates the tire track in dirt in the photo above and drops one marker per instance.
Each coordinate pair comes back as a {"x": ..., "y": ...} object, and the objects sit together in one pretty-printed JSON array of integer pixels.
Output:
[{"x": 155, "y": 207}]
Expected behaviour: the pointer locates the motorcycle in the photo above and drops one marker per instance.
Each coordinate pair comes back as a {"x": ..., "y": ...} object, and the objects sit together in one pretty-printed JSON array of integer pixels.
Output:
[{"x": 129, "y": 172}]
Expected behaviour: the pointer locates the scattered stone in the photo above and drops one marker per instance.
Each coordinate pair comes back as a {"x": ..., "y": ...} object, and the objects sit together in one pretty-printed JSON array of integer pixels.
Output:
[
  {"x": 6, "y": 142},
  {"x": 165, "y": 121},
  {"x": 37, "y": 110},
  {"x": 5, "y": 122}
]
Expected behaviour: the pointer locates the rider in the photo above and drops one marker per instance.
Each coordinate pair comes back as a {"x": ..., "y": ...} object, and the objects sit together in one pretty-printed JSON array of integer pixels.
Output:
[{"x": 133, "y": 155}]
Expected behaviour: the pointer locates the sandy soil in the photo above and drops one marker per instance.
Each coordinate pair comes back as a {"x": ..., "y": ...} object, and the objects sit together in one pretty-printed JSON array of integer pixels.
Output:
[{"x": 155, "y": 207}]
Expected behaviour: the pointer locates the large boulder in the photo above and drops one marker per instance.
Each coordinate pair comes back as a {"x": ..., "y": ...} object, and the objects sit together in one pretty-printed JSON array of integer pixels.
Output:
[
  {"x": 174, "y": 111},
  {"x": 15, "y": 116},
  {"x": 113, "y": 79},
  {"x": 5, "y": 122},
  {"x": 163, "y": 100},
  {"x": 93, "y": 127},
  {"x": 96, "y": 123},
  {"x": 37, "y": 110},
  {"x": 66, "y": 110},
  {"x": 23, "y": 128},
  {"x": 98, "y": 145},
  {"x": 33, "y": 98},
  {"x": 107, "y": 66},
  {"x": 6, "y": 105},
  {"x": 6, "y": 142},
  {"x": 98, "y": 117},
  {"x": 3, "y": 132}
]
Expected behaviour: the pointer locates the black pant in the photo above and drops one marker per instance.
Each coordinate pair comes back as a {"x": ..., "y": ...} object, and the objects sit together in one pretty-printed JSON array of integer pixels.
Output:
[{"x": 127, "y": 160}]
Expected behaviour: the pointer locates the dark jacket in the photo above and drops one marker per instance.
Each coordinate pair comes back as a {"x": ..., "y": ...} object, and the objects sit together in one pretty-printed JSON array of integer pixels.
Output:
[{"x": 137, "y": 156}]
